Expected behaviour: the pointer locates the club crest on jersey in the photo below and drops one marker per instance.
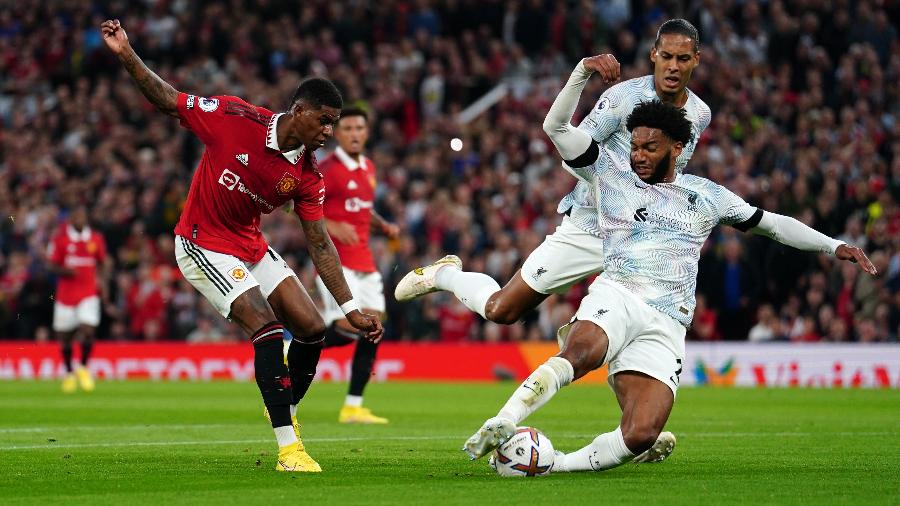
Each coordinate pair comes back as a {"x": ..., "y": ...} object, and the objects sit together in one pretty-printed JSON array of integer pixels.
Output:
[
  {"x": 287, "y": 184},
  {"x": 244, "y": 158},
  {"x": 238, "y": 274},
  {"x": 208, "y": 104},
  {"x": 229, "y": 179},
  {"x": 91, "y": 247}
]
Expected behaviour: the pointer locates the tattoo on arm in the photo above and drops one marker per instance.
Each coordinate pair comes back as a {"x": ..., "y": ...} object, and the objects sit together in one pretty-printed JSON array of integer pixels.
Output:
[
  {"x": 326, "y": 260},
  {"x": 160, "y": 93}
]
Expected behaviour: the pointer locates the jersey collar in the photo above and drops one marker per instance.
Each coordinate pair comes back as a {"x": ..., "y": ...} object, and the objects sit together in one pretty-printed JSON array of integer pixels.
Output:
[
  {"x": 348, "y": 160},
  {"x": 292, "y": 156},
  {"x": 76, "y": 236}
]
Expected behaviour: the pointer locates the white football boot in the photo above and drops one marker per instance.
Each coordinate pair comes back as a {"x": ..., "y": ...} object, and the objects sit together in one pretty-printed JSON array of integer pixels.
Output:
[
  {"x": 489, "y": 437},
  {"x": 420, "y": 280},
  {"x": 660, "y": 451}
]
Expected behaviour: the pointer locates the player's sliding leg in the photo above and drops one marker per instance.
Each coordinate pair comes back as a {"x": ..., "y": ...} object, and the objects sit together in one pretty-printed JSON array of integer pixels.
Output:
[
  {"x": 647, "y": 403},
  {"x": 584, "y": 349},
  {"x": 70, "y": 383},
  {"x": 478, "y": 292},
  {"x": 85, "y": 381},
  {"x": 251, "y": 311}
]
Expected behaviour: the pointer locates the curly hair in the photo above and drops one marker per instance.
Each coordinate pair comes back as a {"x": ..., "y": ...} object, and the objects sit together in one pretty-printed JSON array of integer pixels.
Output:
[
  {"x": 662, "y": 116},
  {"x": 318, "y": 91}
]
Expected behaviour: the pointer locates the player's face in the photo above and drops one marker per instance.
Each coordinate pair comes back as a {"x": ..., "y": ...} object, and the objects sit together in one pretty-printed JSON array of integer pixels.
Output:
[
  {"x": 315, "y": 125},
  {"x": 673, "y": 62},
  {"x": 352, "y": 133},
  {"x": 78, "y": 219},
  {"x": 653, "y": 155}
]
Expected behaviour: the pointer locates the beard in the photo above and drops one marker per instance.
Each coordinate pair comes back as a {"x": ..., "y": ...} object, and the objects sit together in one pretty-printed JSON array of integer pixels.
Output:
[{"x": 661, "y": 170}]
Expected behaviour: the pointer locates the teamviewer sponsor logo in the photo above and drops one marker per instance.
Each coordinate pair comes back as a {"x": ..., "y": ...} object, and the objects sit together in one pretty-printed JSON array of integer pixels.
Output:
[{"x": 229, "y": 179}]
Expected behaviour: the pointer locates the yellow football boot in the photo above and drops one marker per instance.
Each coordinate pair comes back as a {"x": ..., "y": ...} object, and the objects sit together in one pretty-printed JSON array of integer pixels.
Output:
[
  {"x": 69, "y": 384},
  {"x": 85, "y": 381},
  {"x": 293, "y": 458},
  {"x": 359, "y": 414}
]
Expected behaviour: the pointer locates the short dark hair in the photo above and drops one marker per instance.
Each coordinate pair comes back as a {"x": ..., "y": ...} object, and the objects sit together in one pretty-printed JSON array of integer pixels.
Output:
[
  {"x": 662, "y": 116},
  {"x": 318, "y": 92},
  {"x": 681, "y": 27},
  {"x": 353, "y": 111}
]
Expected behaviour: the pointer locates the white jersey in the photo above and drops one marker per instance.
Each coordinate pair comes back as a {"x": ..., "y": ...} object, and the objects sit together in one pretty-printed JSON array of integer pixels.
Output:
[
  {"x": 653, "y": 233},
  {"x": 606, "y": 125}
]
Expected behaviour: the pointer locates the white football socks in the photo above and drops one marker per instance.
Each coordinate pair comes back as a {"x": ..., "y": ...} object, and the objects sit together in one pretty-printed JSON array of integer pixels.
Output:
[
  {"x": 605, "y": 452},
  {"x": 353, "y": 400},
  {"x": 285, "y": 435},
  {"x": 473, "y": 289},
  {"x": 537, "y": 389}
]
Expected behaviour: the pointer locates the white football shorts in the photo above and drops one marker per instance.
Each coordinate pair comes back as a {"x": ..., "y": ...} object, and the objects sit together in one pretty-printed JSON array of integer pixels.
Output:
[
  {"x": 367, "y": 289},
  {"x": 566, "y": 256},
  {"x": 641, "y": 338},
  {"x": 68, "y": 318},
  {"x": 221, "y": 278}
]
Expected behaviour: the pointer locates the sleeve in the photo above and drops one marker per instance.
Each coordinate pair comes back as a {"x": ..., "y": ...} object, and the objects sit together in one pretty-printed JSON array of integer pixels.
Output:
[
  {"x": 101, "y": 247},
  {"x": 793, "y": 233},
  {"x": 733, "y": 210},
  {"x": 203, "y": 116},
  {"x": 55, "y": 251},
  {"x": 308, "y": 202},
  {"x": 607, "y": 115},
  {"x": 571, "y": 143}
]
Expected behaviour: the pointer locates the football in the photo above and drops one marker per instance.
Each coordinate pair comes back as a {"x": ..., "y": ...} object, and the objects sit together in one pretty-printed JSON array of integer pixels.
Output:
[{"x": 527, "y": 453}]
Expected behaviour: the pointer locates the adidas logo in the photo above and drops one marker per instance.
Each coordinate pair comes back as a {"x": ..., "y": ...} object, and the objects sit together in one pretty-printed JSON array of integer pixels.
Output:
[
  {"x": 243, "y": 158},
  {"x": 351, "y": 185}
]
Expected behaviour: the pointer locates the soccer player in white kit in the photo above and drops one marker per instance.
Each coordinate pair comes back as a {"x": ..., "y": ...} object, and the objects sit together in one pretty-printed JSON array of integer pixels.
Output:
[
  {"x": 635, "y": 315},
  {"x": 575, "y": 251}
]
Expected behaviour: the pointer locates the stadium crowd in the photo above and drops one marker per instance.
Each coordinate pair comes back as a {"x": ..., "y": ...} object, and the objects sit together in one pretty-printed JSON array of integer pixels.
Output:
[{"x": 805, "y": 98}]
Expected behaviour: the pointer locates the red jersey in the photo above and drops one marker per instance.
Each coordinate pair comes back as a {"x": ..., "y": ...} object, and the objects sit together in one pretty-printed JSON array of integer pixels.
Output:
[
  {"x": 242, "y": 174},
  {"x": 351, "y": 192},
  {"x": 81, "y": 252}
]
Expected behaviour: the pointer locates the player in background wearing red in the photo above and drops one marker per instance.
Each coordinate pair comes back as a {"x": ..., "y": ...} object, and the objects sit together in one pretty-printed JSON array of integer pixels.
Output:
[
  {"x": 74, "y": 254},
  {"x": 349, "y": 215},
  {"x": 255, "y": 161}
]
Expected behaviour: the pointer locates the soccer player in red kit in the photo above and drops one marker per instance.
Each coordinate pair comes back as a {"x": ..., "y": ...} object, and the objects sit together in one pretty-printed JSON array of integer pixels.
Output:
[
  {"x": 255, "y": 161},
  {"x": 74, "y": 255},
  {"x": 349, "y": 215}
]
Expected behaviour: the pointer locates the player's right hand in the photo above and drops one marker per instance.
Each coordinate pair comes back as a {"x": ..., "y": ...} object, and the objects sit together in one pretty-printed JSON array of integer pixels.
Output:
[
  {"x": 605, "y": 65},
  {"x": 114, "y": 35},
  {"x": 369, "y": 324}
]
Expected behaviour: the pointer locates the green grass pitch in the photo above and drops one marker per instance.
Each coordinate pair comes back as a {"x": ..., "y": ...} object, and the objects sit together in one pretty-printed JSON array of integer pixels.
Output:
[{"x": 207, "y": 443}]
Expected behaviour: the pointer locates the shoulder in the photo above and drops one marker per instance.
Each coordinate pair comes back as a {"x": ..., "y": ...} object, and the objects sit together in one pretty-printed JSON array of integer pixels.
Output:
[
  {"x": 629, "y": 92},
  {"x": 701, "y": 111}
]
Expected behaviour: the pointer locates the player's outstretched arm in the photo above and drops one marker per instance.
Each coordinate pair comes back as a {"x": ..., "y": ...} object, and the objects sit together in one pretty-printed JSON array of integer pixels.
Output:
[
  {"x": 576, "y": 146},
  {"x": 325, "y": 257},
  {"x": 160, "y": 93},
  {"x": 791, "y": 232},
  {"x": 378, "y": 224}
]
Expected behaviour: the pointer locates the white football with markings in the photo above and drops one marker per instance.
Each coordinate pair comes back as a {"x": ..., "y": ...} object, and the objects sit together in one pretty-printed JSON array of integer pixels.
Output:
[{"x": 528, "y": 453}]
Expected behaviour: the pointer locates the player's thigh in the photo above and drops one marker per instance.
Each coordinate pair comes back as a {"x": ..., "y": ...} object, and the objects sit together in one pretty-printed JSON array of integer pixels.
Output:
[
  {"x": 509, "y": 304},
  {"x": 564, "y": 258},
  {"x": 222, "y": 279},
  {"x": 88, "y": 312},
  {"x": 65, "y": 319},
  {"x": 293, "y": 306},
  {"x": 584, "y": 345},
  {"x": 656, "y": 351}
]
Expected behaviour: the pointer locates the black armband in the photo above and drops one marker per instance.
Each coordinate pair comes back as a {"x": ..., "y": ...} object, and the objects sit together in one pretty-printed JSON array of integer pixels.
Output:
[
  {"x": 587, "y": 158},
  {"x": 750, "y": 223}
]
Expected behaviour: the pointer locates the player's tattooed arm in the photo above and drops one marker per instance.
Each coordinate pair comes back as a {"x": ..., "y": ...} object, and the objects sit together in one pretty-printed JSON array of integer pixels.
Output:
[
  {"x": 158, "y": 92},
  {"x": 325, "y": 257}
]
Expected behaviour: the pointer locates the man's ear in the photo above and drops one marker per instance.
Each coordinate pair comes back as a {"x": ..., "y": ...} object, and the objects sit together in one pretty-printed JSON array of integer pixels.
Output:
[{"x": 677, "y": 148}]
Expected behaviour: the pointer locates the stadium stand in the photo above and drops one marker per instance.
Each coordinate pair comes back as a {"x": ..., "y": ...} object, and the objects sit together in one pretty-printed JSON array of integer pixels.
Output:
[{"x": 805, "y": 99}]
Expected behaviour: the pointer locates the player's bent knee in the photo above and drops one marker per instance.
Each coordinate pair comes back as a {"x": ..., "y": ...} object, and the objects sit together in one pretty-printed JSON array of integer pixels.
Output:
[
  {"x": 639, "y": 438},
  {"x": 500, "y": 311}
]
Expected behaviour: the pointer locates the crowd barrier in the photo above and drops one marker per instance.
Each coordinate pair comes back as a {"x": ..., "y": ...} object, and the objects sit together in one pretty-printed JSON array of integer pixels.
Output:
[{"x": 718, "y": 364}]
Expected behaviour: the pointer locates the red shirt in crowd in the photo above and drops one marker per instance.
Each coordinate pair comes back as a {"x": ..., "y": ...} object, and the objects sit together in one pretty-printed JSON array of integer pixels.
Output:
[
  {"x": 350, "y": 194},
  {"x": 241, "y": 175},
  {"x": 81, "y": 252}
]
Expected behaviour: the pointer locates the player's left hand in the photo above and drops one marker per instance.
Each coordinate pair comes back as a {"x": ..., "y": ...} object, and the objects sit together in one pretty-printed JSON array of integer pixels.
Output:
[
  {"x": 604, "y": 65},
  {"x": 369, "y": 324},
  {"x": 857, "y": 256},
  {"x": 392, "y": 230}
]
